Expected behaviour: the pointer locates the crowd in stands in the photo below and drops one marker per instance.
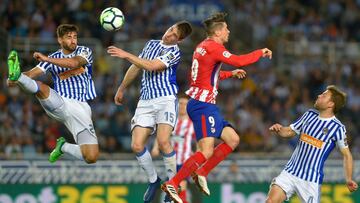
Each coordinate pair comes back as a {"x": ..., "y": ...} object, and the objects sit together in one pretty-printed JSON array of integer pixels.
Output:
[{"x": 270, "y": 93}]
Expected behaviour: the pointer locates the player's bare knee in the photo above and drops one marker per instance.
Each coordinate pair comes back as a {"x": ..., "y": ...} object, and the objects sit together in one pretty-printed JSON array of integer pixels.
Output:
[
  {"x": 90, "y": 158},
  {"x": 137, "y": 148},
  {"x": 235, "y": 141},
  {"x": 269, "y": 200},
  {"x": 164, "y": 145}
]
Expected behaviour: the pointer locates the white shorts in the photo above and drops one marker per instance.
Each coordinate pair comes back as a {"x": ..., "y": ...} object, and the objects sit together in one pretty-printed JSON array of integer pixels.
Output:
[
  {"x": 155, "y": 111},
  {"x": 308, "y": 192},
  {"x": 75, "y": 115}
]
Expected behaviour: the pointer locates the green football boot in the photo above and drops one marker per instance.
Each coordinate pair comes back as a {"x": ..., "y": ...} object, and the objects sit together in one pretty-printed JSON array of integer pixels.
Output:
[
  {"x": 14, "y": 66},
  {"x": 56, "y": 153}
]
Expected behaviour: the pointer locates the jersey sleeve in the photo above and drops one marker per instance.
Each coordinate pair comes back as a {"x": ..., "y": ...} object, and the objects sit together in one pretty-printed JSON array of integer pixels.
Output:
[
  {"x": 170, "y": 57},
  {"x": 225, "y": 75},
  {"x": 223, "y": 55},
  {"x": 86, "y": 53},
  {"x": 341, "y": 138},
  {"x": 45, "y": 66},
  {"x": 298, "y": 124}
]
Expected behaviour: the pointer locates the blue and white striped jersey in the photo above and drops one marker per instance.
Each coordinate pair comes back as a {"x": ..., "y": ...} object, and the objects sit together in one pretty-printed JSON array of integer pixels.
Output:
[
  {"x": 318, "y": 137},
  {"x": 156, "y": 84},
  {"x": 72, "y": 83}
]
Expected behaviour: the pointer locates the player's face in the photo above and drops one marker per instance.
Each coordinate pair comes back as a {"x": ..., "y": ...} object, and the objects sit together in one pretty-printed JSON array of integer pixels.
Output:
[
  {"x": 224, "y": 33},
  {"x": 182, "y": 106},
  {"x": 171, "y": 36},
  {"x": 323, "y": 101},
  {"x": 69, "y": 41}
]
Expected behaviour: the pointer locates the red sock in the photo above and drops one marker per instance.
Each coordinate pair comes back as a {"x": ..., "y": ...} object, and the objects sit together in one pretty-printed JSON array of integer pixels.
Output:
[
  {"x": 182, "y": 196},
  {"x": 220, "y": 153},
  {"x": 190, "y": 165}
]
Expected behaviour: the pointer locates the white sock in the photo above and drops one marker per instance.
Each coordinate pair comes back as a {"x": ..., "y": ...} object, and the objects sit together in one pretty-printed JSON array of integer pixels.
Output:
[
  {"x": 145, "y": 162},
  {"x": 170, "y": 164},
  {"x": 72, "y": 149},
  {"x": 28, "y": 84}
]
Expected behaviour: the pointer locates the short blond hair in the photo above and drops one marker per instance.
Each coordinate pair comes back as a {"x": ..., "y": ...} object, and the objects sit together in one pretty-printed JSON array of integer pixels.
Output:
[{"x": 338, "y": 97}]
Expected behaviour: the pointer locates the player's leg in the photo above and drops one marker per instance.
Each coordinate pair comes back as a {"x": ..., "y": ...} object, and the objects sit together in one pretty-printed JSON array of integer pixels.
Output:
[
  {"x": 85, "y": 149},
  {"x": 170, "y": 187},
  {"x": 217, "y": 128},
  {"x": 307, "y": 191},
  {"x": 16, "y": 77},
  {"x": 166, "y": 115},
  {"x": 76, "y": 116},
  {"x": 139, "y": 138},
  {"x": 169, "y": 155},
  {"x": 206, "y": 146},
  {"x": 231, "y": 141},
  {"x": 142, "y": 125},
  {"x": 282, "y": 188},
  {"x": 88, "y": 145},
  {"x": 276, "y": 194}
]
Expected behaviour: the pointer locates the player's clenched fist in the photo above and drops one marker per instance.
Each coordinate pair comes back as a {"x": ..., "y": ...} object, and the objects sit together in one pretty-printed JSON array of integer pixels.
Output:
[
  {"x": 119, "y": 97},
  {"x": 352, "y": 185},
  {"x": 267, "y": 53},
  {"x": 39, "y": 56}
]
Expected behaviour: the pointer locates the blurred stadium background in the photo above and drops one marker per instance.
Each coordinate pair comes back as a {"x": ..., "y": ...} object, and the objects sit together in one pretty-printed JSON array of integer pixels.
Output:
[{"x": 315, "y": 43}]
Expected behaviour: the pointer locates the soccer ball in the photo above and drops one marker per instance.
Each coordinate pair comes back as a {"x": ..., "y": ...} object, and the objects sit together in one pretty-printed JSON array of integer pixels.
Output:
[{"x": 112, "y": 19}]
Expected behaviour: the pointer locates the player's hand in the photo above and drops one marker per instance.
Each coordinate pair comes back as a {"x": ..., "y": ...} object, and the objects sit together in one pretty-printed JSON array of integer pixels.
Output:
[
  {"x": 114, "y": 51},
  {"x": 352, "y": 185},
  {"x": 11, "y": 83},
  {"x": 267, "y": 53},
  {"x": 40, "y": 57},
  {"x": 275, "y": 128},
  {"x": 239, "y": 73},
  {"x": 119, "y": 97}
]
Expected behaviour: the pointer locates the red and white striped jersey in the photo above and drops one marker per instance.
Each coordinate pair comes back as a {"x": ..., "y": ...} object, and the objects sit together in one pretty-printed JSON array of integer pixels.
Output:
[
  {"x": 205, "y": 70},
  {"x": 181, "y": 139}
]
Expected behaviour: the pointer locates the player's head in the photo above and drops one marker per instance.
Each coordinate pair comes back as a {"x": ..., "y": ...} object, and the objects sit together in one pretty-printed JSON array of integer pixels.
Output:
[
  {"x": 333, "y": 98},
  {"x": 67, "y": 36},
  {"x": 177, "y": 32},
  {"x": 183, "y": 100},
  {"x": 216, "y": 26}
]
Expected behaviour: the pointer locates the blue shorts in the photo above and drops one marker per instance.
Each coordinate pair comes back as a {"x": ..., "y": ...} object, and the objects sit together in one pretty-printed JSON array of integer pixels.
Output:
[{"x": 207, "y": 120}]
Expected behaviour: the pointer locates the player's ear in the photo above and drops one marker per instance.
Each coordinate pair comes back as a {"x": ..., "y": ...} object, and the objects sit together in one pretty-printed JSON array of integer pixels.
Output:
[
  {"x": 59, "y": 40},
  {"x": 180, "y": 40},
  {"x": 217, "y": 32}
]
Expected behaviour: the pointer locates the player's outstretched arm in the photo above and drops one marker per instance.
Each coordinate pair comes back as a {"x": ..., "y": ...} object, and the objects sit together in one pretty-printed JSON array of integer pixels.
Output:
[
  {"x": 348, "y": 169},
  {"x": 150, "y": 65},
  {"x": 282, "y": 131},
  {"x": 74, "y": 62},
  {"x": 130, "y": 75},
  {"x": 242, "y": 60}
]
